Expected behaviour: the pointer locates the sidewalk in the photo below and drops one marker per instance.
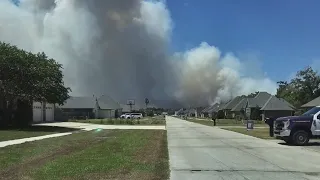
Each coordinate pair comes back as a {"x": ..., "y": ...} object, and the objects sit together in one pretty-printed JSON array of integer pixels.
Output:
[
  {"x": 20, "y": 141},
  {"x": 255, "y": 127}
]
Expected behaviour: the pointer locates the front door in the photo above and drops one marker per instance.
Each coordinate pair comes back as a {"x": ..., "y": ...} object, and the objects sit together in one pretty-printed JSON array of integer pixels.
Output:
[{"x": 315, "y": 127}]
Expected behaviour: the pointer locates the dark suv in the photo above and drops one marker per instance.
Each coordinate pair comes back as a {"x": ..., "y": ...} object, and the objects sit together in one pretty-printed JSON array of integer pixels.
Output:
[{"x": 298, "y": 130}]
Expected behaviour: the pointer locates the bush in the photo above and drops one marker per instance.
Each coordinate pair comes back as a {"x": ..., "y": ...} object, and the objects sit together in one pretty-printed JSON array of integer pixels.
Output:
[
  {"x": 110, "y": 121},
  {"x": 155, "y": 122},
  {"x": 150, "y": 113},
  {"x": 220, "y": 115}
]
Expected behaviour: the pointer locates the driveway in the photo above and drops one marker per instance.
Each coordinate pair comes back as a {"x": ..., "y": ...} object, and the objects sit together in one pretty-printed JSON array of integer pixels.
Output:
[
  {"x": 202, "y": 152},
  {"x": 88, "y": 126}
]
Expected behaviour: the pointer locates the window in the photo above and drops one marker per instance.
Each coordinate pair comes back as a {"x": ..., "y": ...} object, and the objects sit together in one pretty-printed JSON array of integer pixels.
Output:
[{"x": 311, "y": 112}]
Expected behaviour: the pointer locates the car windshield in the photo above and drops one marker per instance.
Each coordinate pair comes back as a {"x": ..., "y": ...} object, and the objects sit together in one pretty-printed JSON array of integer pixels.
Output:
[{"x": 311, "y": 112}]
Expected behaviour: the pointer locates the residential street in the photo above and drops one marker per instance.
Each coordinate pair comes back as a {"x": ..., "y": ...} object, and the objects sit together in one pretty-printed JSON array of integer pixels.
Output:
[{"x": 202, "y": 152}]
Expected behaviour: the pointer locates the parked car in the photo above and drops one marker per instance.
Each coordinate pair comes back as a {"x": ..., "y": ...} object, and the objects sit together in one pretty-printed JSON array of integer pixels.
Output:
[
  {"x": 134, "y": 116},
  {"x": 124, "y": 115}
]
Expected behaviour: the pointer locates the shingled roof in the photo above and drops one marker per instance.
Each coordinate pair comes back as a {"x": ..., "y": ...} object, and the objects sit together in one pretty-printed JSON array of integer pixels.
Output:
[
  {"x": 241, "y": 105},
  {"x": 313, "y": 103},
  {"x": 206, "y": 109},
  {"x": 214, "y": 108},
  {"x": 259, "y": 100},
  {"x": 231, "y": 104},
  {"x": 79, "y": 103},
  {"x": 106, "y": 102},
  {"x": 275, "y": 104}
]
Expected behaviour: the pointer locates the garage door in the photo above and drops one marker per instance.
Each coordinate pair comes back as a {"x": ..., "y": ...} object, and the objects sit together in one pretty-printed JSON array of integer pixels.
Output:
[
  {"x": 49, "y": 112},
  {"x": 37, "y": 112}
]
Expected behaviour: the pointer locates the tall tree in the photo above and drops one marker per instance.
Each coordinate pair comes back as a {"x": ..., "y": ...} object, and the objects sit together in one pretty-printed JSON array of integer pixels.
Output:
[
  {"x": 302, "y": 88},
  {"x": 29, "y": 77}
]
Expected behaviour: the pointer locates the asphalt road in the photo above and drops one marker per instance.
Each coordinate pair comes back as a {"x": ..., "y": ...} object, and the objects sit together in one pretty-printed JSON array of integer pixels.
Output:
[{"x": 202, "y": 152}]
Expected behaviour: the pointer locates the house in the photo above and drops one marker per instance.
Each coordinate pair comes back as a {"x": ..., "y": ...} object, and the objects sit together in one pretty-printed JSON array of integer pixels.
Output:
[
  {"x": 198, "y": 111},
  {"x": 276, "y": 107},
  {"x": 204, "y": 112},
  {"x": 259, "y": 100},
  {"x": 88, "y": 108},
  {"x": 238, "y": 109},
  {"x": 77, "y": 108},
  {"x": 312, "y": 103},
  {"x": 107, "y": 107},
  {"x": 230, "y": 105},
  {"x": 177, "y": 113},
  {"x": 255, "y": 104},
  {"x": 188, "y": 112},
  {"x": 192, "y": 112},
  {"x": 210, "y": 111},
  {"x": 263, "y": 105},
  {"x": 213, "y": 111}
]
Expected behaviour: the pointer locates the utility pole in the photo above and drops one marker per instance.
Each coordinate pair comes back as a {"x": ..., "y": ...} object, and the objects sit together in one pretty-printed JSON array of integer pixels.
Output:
[{"x": 146, "y": 101}]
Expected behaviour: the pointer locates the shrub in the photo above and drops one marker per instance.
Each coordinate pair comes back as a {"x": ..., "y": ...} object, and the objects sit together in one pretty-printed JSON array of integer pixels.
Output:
[
  {"x": 155, "y": 122},
  {"x": 110, "y": 121}
]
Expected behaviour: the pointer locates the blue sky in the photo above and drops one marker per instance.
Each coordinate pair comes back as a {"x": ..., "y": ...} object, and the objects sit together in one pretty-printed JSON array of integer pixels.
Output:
[{"x": 284, "y": 34}]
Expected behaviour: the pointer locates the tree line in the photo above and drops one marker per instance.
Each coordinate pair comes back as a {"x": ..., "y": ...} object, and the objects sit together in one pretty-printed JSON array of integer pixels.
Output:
[
  {"x": 26, "y": 77},
  {"x": 302, "y": 88}
]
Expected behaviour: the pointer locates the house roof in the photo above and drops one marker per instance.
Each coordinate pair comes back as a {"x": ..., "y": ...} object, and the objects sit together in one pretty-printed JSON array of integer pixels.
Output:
[
  {"x": 274, "y": 103},
  {"x": 106, "y": 102},
  {"x": 313, "y": 103},
  {"x": 242, "y": 104},
  {"x": 200, "y": 109},
  {"x": 222, "y": 105},
  {"x": 231, "y": 104},
  {"x": 187, "y": 111},
  {"x": 214, "y": 108},
  {"x": 192, "y": 110},
  {"x": 259, "y": 100},
  {"x": 206, "y": 109},
  {"x": 179, "y": 111},
  {"x": 79, "y": 103}
]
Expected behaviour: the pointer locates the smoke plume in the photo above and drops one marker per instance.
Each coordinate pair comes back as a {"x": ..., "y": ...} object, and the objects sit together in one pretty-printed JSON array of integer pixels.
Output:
[{"x": 121, "y": 49}]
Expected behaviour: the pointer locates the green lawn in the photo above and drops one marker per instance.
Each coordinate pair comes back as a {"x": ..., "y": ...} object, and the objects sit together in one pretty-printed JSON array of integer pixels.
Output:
[
  {"x": 10, "y": 134},
  {"x": 105, "y": 154},
  {"x": 262, "y": 133},
  {"x": 145, "y": 121}
]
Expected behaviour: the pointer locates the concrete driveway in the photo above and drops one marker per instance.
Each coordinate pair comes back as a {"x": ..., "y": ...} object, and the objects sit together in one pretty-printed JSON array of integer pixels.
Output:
[
  {"x": 88, "y": 126},
  {"x": 202, "y": 152}
]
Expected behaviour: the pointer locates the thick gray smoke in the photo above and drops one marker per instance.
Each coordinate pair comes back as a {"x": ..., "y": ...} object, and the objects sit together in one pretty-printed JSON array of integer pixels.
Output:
[{"x": 120, "y": 48}]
